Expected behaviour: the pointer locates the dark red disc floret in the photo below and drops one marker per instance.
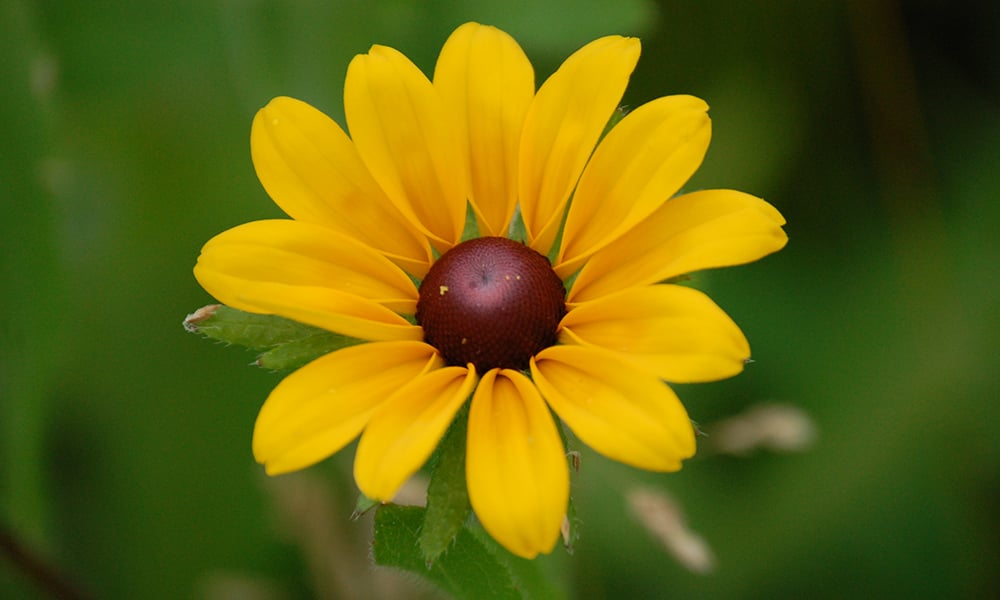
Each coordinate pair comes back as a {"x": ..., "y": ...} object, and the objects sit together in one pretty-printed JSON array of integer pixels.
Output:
[{"x": 492, "y": 302}]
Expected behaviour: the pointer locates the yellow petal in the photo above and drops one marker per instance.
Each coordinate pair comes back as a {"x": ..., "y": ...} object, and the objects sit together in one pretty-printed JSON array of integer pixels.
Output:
[
  {"x": 317, "y": 410},
  {"x": 641, "y": 163},
  {"x": 311, "y": 169},
  {"x": 674, "y": 332},
  {"x": 302, "y": 254},
  {"x": 615, "y": 407},
  {"x": 405, "y": 430},
  {"x": 562, "y": 126},
  {"x": 487, "y": 84},
  {"x": 516, "y": 465},
  {"x": 322, "y": 307},
  {"x": 700, "y": 230},
  {"x": 408, "y": 141}
]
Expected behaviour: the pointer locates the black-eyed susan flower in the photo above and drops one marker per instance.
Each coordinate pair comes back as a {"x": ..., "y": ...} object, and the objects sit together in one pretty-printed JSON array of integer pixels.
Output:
[{"x": 590, "y": 335}]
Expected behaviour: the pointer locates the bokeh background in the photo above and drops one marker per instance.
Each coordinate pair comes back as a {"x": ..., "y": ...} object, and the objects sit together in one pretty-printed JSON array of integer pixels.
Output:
[{"x": 874, "y": 126}]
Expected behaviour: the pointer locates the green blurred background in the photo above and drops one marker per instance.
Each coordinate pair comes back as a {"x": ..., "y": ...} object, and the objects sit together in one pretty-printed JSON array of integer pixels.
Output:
[{"x": 873, "y": 126}]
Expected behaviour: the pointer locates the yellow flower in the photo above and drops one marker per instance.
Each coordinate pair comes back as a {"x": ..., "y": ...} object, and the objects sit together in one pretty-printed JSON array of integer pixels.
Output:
[{"x": 376, "y": 211}]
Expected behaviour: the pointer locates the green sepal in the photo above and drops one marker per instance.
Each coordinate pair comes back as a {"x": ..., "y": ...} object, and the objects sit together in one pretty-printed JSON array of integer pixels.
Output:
[
  {"x": 471, "y": 228},
  {"x": 570, "y": 280},
  {"x": 362, "y": 506},
  {"x": 572, "y": 535},
  {"x": 286, "y": 344},
  {"x": 616, "y": 118},
  {"x": 573, "y": 458},
  {"x": 677, "y": 279},
  {"x": 557, "y": 242},
  {"x": 448, "y": 506},
  {"x": 473, "y": 567},
  {"x": 517, "y": 231}
]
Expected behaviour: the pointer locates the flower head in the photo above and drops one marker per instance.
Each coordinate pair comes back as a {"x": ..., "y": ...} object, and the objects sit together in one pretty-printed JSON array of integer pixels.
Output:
[{"x": 590, "y": 335}]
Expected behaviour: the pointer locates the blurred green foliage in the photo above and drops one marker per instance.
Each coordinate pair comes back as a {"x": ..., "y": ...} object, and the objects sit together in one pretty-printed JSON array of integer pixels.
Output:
[{"x": 873, "y": 126}]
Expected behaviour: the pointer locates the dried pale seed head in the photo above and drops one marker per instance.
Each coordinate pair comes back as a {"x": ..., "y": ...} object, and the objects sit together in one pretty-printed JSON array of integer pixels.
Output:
[
  {"x": 776, "y": 427},
  {"x": 663, "y": 517}
]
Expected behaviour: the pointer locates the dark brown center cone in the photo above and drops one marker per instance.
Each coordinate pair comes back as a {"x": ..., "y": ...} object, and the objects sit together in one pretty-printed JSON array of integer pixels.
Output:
[{"x": 492, "y": 302}]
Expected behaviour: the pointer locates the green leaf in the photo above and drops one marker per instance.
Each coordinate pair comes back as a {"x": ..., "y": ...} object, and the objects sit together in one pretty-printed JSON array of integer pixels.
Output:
[
  {"x": 294, "y": 354},
  {"x": 531, "y": 579},
  {"x": 287, "y": 344},
  {"x": 448, "y": 505},
  {"x": 257, "y": 332},
  {"x": 467, "y": 570}
]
